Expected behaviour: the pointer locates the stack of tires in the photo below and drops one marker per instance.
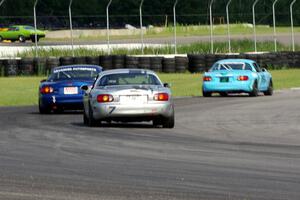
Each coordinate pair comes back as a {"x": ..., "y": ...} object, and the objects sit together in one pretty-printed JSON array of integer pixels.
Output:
[
  {"x": 1, "y": 69},
  {"x": 51, "y": 62},
  {"x": 26, "y": 67},
  {"x": 181, "y": 64},
  {"x": 197, "y": 63},
  {"x": 156, "y": 64},
  {"x": 67, "y": 60},
  {"x": 210, "y": 60},
  {"x": 106, "y": 62},
  {"x": 10, "y": 67},
  {"x": 40, "y": 66},
  {"x": 79, "y": 60},
  {"x": 168, "y": 65},
  {"x": 131, "y": 62},
  {"x": 92, "y": 60},
  {"x": 118, "y": 61},
  {"x": 297, "y": 59},
  {"x": 144, "y": 63}
]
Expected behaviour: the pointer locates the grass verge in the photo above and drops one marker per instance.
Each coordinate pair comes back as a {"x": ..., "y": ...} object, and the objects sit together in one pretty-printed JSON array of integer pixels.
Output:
[{"x": 20, "y": 91}]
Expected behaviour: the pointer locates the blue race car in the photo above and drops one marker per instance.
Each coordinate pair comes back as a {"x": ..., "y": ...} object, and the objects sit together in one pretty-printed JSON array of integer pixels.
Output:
[
  {"x": 237, "y": 76},
  {"x": 62, "y": 89}
]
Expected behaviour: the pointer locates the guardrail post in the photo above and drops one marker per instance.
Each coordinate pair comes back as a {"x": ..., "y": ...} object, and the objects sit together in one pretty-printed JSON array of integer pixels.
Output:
[
  {"x": 228, "y": 25},
  {"x": 292, "y": 24},
  {"x": 141, "y": 26},
  {"x": 175, "y": 26},
  {"x": 107, "y": 26},
  {"x": 211, "y": 27},
  {"x": 254, "y": 24},
  {"x": 35, "y": 28},
  {"x": 71, "y": 27},
  {"x": 274, "y": 25}
]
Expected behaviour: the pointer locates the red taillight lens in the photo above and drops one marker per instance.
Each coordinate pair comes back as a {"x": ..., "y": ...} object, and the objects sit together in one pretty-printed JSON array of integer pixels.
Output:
[
  {"x": 46, "y": 90},
  {"x": 207, "y": 78},
  {"x": 104, "y": 98},
  {"x": 161, "y": 97},
  {"x": 243, "y": 78}
]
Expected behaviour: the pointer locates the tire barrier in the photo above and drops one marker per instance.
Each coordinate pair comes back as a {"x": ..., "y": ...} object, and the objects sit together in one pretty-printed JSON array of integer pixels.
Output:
[
  {"x": 51, "y": 62},
  {"x": 144, "y": 63},
  {"x": 106, "y": 62},
  {"x": 40, "y": 66},
  {"x": 92, "y": 60},
  {"x": 66, "y": 61},
  {"x": 181, "y": 64},
  {"x": 168, "y": 65},
  {"x": 156, "y": 64},
  {"x": 118, "y": 61},
  {"x": 10, "y": 67},
  {"x": 131, "y": 62},
  {"x": 26, "y": 66},
  {"x": 195, "y": 63},
  {"x": 79, "y": 60}
]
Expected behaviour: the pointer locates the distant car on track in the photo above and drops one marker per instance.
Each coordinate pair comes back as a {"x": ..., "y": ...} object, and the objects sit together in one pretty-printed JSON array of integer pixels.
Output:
[
  {"x": 62, "y": 88},
  {"x": 21, "y": 33},
  {"x": 237, "y": 76},
  {"x": 128, "y": 95}
]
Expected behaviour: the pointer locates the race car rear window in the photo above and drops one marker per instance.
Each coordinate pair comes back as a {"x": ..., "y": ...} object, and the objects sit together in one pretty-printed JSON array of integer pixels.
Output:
[
  {"x": 128, "y": 79},
  {"x": 231, "y": 66},
  {"x": 73, "y": 73}
]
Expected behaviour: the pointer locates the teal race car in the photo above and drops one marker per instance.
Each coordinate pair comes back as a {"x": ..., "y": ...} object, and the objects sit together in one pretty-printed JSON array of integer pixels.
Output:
[
  {"x": 21, "y": 34},
  {"x": 237, "y": 76}
]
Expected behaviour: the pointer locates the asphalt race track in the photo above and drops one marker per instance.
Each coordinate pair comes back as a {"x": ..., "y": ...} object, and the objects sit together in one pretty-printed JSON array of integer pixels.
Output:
[{"x": 234, "y": 148}]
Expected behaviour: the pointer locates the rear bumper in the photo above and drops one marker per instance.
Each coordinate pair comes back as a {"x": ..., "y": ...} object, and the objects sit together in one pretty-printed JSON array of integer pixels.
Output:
[
  {"x": 66, "y": 102},
  {"x": 228, "y": 87},
  {"x": 144, "y": 111}
]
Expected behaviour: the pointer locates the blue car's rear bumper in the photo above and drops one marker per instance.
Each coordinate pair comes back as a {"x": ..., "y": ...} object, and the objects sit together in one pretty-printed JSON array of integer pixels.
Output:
[
  {"x": 66, "y": 102},
  {"x": 227, "y": 87}
]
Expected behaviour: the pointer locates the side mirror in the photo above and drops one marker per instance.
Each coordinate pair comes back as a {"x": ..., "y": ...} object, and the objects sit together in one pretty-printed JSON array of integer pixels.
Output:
[
  {"x": 167, "y": 85},
  {"x": 84, "y": 87},
  {"x": 264, "y": 70},
  {"x": 44, "y": 80}
]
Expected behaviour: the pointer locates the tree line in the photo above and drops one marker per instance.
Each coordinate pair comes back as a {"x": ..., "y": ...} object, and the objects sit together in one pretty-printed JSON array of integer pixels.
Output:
[{"x": 54, "y": 13}]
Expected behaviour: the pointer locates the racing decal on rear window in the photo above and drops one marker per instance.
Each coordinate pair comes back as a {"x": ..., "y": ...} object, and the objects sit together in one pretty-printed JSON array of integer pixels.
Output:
[{"x": 75, "y": 69}]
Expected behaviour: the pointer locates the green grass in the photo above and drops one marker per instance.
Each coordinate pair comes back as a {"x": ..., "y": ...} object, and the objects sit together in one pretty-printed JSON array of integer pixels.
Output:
[
  {"x": 24, "y": 90},
  {"x": 191, "y": 30},
  {"x": 204, "y": 47}
]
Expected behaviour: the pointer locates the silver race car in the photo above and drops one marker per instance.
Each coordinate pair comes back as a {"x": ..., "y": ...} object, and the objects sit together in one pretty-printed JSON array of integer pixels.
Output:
[{"x": 128, "y": 95}]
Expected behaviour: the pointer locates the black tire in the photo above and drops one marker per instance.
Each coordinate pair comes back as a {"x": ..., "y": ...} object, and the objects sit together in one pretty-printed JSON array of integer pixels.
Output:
[
  {"x": 206, "y": 94},
  {"x": 156, "y": 122},
  {"x": 44, "y": 110},
  {"x": 22, "y": 39},
  {"x": 223, "y": 94},
  {"x": 1, "y": 39},
  {"x": 169, "y": 122},
  {"x": 270, "y": 90},
  {"x": 33, "y": 39},
  {"x": 92, "y": 122},
  {"x": 254, "y": 92}
]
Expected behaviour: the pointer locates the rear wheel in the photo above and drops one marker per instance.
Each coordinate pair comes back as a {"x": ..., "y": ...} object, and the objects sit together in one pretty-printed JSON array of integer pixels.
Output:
[
  {"x": 92, "y": 122},
  {"x": 254, "y": 92},
  {"x": 1, "y": 39},
  {"x": 22, "y": 39},
  {"x": 223, "y": 94},
  {"x": 44, "y": 110},
  {"x": 269, "y": 92},
  {"x": 169, "y": 122},
  {"x": 206, "y": 94}
]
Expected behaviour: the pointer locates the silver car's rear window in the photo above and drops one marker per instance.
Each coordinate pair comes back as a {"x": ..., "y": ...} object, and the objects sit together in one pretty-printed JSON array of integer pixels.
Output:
[{"x": 128, "y": 79}]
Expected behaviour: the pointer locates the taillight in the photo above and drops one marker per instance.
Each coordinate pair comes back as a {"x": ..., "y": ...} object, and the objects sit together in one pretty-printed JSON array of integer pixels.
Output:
[
  {"x": 104, "y": 98},
  {"x": 46, "y": 90},
  {"x": 207, "y": 78},
  {"x": 161, "y": 97},
  {"x": 243, "y": 78}
]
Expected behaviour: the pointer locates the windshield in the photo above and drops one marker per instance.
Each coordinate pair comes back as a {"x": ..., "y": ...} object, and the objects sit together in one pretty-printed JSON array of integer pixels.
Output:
[
  {"x": 231, "y": 66},
  {"x": 129, "y": 79},
  {"x": 73, "y": 73},
  {"x": 29, "y": 28}
]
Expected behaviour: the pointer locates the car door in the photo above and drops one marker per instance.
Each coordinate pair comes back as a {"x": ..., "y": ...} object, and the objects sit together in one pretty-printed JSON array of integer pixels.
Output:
[{"x": 262, "y": 79}]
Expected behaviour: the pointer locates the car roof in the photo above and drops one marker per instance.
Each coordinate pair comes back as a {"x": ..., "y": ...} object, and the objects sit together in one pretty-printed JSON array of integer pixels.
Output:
[
  {"x": 78, "y": 65},
  {"x": 118, "y": 71},
  {"x": 236, "y": 61}
]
